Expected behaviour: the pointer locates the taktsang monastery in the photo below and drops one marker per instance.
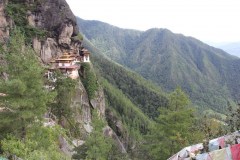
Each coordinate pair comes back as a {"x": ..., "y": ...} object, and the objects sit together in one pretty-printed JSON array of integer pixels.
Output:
[{"x": 68, "y": 64}]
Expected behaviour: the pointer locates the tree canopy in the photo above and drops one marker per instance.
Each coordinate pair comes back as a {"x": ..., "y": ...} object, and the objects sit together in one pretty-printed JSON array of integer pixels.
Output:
[
  {"x": 26, "y": 99},
  {"x": 174, "y": 128}
]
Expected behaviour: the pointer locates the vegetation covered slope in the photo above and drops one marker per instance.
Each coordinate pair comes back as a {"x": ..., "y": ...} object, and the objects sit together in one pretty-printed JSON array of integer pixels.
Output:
[
  {"x": 131, "y": 100},
  {"x": 209, "y": 75},
  {"x": 22, "y": 109},
  {"x": 144, "y": 94}
]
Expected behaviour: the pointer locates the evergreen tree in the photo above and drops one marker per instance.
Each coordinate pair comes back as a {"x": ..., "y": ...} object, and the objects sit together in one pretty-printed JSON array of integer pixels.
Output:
[
  {"x": 211, "y": 127},
  {"x": 37, "y": 144},
  {"x": 26, "y": 99},
  {"x": 174, "y": 127},
  {"x": 64, "y": 87},
  {"x": 97, "y": 146},
  {"x": 233, "y": 118},
  {"x": 89, "y": 80}
]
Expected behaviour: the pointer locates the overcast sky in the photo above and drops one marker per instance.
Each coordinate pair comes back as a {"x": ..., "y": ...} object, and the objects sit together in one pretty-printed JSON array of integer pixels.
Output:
[{"x": 207, "y": 20}]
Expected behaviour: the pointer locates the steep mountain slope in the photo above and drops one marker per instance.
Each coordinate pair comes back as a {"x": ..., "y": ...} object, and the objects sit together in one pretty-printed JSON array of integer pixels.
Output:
[
  {"x": 132, "y": 102},
  {"x": 115, "y": 47},
  {"x": 144, "y": 94},
  {"x": 209, "y": 75},
  {"x": 128, "y": 113}
]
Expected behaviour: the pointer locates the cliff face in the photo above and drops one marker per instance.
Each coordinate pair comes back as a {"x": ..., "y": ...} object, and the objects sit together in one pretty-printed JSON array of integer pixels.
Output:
[
  {"x": 4, "y": 23},
  {"x": 52, "y": 15},
  {"x": 59, "y": 23},
  {"x": 81, "y": 107},
  {"x": 55, "y": 18},
  {"x": 58, "y": 20}
]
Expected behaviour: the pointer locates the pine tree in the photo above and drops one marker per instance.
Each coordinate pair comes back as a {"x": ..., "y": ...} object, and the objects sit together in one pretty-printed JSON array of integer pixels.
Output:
[
  {"x": 64, "y": 88},
  {"x": 37, "y": 144},
  {"x": 97, "y": 146},
  {"x": 233, "y": 118},
  {"x": 173, "y": 129},
  {"x": 89, "y": 80},
  {"x": 26, "y": 99}
]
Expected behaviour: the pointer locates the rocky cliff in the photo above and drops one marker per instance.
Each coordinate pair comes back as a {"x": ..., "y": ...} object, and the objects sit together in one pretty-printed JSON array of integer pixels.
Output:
[
  {"x": 59, "y": 23},
  {"x": 4, "y": 23},
  {"x": 59, "y": 34},
  {"x": 53, "y": 17}
]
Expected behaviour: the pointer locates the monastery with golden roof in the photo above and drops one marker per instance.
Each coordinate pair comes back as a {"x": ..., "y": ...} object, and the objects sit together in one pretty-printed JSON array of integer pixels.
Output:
[{"x": 68, "y": 64}]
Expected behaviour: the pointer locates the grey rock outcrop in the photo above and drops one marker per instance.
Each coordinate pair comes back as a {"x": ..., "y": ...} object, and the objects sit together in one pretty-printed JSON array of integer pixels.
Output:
[
  {"x": 57, "y": 19},
  {"x": 51, "y": 15},
  {"x": 99, "y": 102},
  {"x": 48, "y": 50},
  {"x": 4, "y": 24},
  {"x": 65, "y": 35},
  {"x": 110, "y": 133},
  {"x": 80, "y": 105}
]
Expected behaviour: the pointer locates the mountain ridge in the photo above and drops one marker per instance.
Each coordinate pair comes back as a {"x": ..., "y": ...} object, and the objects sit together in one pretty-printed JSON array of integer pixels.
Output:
[{"x": 170, "y": 60}]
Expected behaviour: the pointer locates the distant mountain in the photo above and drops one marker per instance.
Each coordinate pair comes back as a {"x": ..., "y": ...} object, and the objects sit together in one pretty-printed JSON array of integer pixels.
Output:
[
  {"x": 231, "y": 48},
  {"x": 209, "y": 75}
]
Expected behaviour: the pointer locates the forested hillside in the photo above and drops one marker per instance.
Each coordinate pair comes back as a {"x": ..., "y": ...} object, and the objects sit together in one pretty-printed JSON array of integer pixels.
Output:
[
  {"x": 144, "y": 94},
  {"x": 209, "y": 75}
]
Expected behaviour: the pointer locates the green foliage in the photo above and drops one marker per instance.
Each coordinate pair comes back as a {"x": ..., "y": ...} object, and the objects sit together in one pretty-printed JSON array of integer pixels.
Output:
[
  {"x": 64, "y": 88},
  {"x": 129, "y": 113},
  {"x": 17, "y": 11},
  {"x": 26, "y": 101},
  {"x": 211, "y": 127},
  {"x": 97, "y": 146},
  {"x": 81, "y": 152},
  {"x": 89, "y": 80},
  {"x": 131, "y": 85},
  {"x": 80, "y": 36},
  {"x": 135, "y": 122},
  {"x": 125, "y": 93},
  {"x": 174, "y": 128},
  {"x": 31, "y": 32},
  {"x": 233, "y": 118},
  {"x": 37, "y": 144},
  {"x": 26, "y": 98}
]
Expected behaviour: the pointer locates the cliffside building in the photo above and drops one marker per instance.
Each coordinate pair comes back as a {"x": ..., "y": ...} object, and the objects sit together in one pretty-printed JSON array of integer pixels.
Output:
[
  {"x": 85, "y": 55},
  {"x": 67, "y": 64}
]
